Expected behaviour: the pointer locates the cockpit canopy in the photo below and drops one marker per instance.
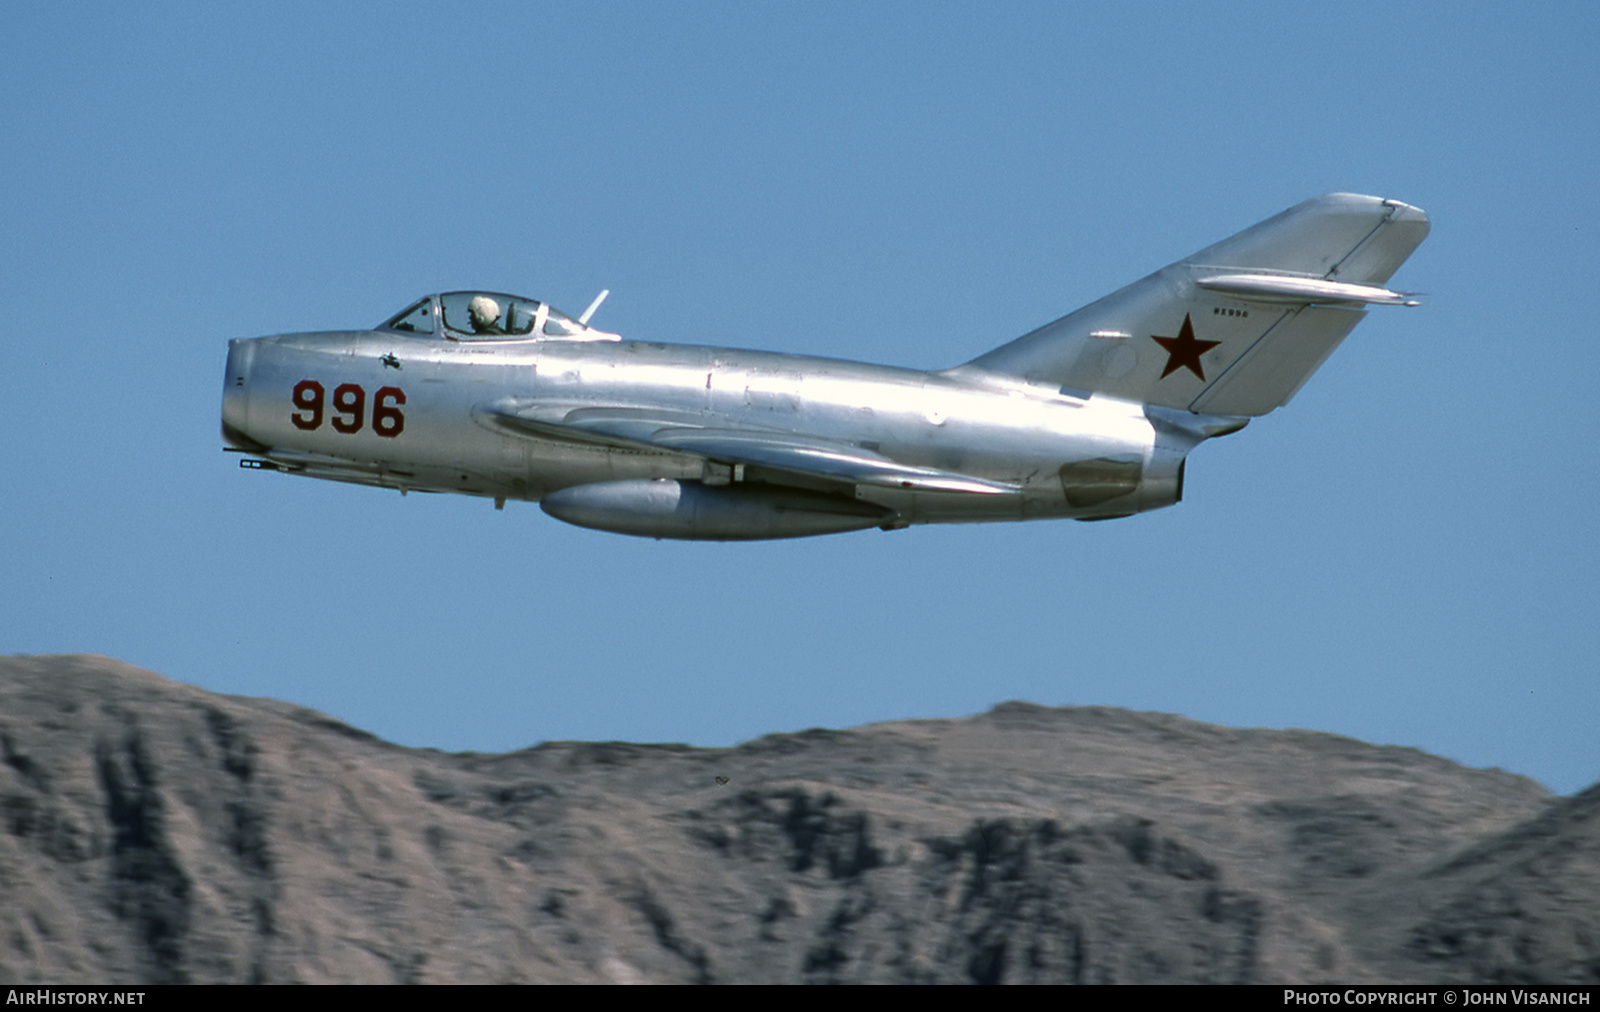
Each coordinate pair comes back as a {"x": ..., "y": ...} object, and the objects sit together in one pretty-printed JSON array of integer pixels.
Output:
[{"x": 486, "y": 316}]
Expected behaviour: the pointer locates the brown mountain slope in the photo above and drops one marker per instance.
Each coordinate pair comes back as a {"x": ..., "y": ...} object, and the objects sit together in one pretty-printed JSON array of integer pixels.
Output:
[{"x": 152, "y": 831}]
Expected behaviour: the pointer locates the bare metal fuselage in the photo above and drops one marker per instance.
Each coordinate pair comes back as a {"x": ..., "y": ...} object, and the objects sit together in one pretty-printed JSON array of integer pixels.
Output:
[{"x": 1111, "y": 455}]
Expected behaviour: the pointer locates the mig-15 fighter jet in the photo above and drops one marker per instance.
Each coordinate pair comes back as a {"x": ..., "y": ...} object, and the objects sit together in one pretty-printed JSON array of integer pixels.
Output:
[{"x": 1089, "y": 417}]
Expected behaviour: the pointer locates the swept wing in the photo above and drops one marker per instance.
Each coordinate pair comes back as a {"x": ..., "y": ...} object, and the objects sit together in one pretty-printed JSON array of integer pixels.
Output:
[{"x": 713, "y": 437}]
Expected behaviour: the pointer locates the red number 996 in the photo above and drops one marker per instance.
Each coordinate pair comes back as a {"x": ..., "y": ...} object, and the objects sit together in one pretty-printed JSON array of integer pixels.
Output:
[{"x": 349, "y": 408}]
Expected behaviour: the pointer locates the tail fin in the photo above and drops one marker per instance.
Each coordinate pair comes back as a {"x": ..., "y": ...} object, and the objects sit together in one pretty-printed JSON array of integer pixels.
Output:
[{"x": 1237, "y": 328}]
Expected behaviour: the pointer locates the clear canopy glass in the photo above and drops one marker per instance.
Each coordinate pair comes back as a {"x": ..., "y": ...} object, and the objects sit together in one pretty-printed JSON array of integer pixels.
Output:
[{"x": 485, "y": 316}]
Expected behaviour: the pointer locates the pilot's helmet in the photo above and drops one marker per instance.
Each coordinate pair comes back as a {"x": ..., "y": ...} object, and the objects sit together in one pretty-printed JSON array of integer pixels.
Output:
[{"x": 483, "y": 311}]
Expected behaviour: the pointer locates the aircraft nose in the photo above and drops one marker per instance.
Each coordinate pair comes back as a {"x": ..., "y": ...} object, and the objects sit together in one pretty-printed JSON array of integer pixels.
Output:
[{"x": 236, "y": 395}]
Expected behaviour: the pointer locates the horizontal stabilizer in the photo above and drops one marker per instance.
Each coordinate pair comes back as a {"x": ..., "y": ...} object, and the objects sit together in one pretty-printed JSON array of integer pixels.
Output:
[{"x": 1288, "y": 288}]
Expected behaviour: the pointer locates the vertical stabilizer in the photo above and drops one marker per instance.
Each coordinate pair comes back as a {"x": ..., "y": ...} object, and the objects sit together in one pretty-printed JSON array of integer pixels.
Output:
[{"x": 1238, "y": 327}]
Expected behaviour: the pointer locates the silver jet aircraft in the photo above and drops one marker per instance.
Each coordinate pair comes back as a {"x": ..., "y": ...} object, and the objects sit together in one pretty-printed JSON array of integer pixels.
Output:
[{"x": 1090, "y": 417}]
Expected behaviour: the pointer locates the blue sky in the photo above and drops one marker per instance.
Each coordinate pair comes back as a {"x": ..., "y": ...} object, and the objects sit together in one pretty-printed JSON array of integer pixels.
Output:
[{"x": 1406, "y": 554}]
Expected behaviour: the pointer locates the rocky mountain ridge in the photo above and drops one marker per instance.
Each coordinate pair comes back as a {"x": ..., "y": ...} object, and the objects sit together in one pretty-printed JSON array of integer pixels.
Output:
[{"x": 154, "y": 832}]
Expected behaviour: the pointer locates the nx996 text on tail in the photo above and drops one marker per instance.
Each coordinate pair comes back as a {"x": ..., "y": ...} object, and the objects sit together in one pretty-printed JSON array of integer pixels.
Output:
[{"x": 1089, "y": 417}]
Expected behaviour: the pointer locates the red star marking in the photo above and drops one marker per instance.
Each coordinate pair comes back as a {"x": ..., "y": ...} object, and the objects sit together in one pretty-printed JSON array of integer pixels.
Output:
[{"x": 1183, "y": 351}]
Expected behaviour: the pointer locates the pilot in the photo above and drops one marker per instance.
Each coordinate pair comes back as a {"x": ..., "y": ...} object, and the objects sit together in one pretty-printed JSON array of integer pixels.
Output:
[{"x": 483, "y": 312}]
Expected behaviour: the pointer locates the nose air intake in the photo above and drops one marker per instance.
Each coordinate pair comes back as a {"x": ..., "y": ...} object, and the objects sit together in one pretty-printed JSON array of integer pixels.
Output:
[{"x": 236, "y": 397}]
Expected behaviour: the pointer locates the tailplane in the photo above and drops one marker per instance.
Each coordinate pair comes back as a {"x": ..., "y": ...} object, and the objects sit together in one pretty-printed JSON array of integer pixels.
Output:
[{"x": 1237, "y": 328}]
